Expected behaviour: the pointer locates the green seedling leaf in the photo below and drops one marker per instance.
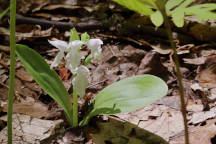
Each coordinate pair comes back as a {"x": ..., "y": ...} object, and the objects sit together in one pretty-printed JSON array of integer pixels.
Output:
[
  {"x": 85, "y": 37},
  {"x": 74, "y": 35},
  {"x": 141, "y": 6},
  {"x": 127, "y": 95},
  {"x": 4, "y": 13},
  {"x": 47, "y": 78},
  {"x": 157, "y": 18}
]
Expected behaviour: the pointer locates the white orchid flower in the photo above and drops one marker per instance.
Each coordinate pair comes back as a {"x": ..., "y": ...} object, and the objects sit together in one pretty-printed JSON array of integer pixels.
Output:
[
  {"x": 62, "y": 46},
  {"x": 73, "y": 56},
  {"x": 95, "y": 46},
  {"x": 80, "y": 82}
]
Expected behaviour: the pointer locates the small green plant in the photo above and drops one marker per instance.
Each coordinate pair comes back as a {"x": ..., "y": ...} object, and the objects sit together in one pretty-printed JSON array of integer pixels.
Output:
[
  {"x": 176, "y": 9},
  {"x": 124, "y": 96},
  {"x": 159, "y": 11}
]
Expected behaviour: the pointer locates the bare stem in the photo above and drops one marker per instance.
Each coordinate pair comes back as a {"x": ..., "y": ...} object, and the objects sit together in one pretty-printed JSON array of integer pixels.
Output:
[
  {"x": 75, "y": 109},
  {"x": 179, "y": 76},
  {"x": 12, "y": 67}
]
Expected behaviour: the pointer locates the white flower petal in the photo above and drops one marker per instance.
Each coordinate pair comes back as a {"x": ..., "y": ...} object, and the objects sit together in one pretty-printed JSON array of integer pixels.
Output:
[
  {"x": 73, "y": 59},
  {"x": 84, "y": 70},
  {"x": 61, "y": 45},
  {"x": 80, "y": 82},
  {"x": 75, "y": 44},
  {"x": 95, "y": 46},
  {"x": 94, "y": 43},
  {"x": 57, "y": 59}
]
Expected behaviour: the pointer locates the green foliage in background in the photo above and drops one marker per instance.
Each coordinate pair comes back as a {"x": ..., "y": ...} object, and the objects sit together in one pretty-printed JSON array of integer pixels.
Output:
[{"x": 176, "y": 9}]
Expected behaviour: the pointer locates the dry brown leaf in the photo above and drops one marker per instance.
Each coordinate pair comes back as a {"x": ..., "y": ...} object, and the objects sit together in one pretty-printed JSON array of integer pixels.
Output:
[
  {"x": 30, "y": 131},
  {"x": 36, "y": 110},
  {"x": 200, "y": 117},
  {"x": 22, "y": 73},
  {"x": 207, "y": 73},
  {"x": 57, "y": 6},
  {"x": 195, "y": 61},
  {"x": 198, "y": 135}
]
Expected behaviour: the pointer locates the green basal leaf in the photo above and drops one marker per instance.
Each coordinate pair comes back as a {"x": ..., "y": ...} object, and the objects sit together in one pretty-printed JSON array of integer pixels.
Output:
[
  {"x": 85, "y": 37},
  {"x": 127, "y": 95},
  {"x": 157, "y": 18},
  {"x": 74, "y": 35},
  {"x": 141, "y": 6},
  {"x": 47, "y": 78}
]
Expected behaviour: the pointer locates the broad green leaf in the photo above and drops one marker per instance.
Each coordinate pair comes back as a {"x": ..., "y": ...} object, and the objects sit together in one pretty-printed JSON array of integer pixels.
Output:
[
  {"x": 179, "y": 8},
  {"x": 178, "y": 17},
  {"x": 74, "y": 35},
  {"x": 202, "y": 11},
  {"x": 127, "y": 95},
  {"x": 85, "y": 37},
  {"x": 47, "y": 78},
  {"x": 157, "y": 18},
  {"x": 141, "y": 6}
]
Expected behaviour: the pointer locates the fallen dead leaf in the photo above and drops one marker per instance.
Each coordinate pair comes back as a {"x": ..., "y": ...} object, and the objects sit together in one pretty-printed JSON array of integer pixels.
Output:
[
  {"x": 57, "y": 6},
  {"x": 151, "y": 64},
  {"x": 22, "y": 73},
  {"x": 206, "y": 73},
  {"x": 36, "y": 110},
  {"x": 27, "y": 130},
  {"x": 200, "y": 117},
  {"x": 195, "y": 61},
  {"x": 199, "y": 134}
]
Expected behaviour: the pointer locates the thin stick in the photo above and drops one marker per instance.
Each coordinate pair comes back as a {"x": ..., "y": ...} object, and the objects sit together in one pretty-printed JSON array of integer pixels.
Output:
[{"x": 12, "y": 67}]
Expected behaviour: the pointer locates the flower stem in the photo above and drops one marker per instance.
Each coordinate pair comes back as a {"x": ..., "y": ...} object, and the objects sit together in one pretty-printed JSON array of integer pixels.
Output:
[
  {"x": 75, "y": 109},
  {"x": 178, "y": 74},
  {"x": 12, "y": 67}
]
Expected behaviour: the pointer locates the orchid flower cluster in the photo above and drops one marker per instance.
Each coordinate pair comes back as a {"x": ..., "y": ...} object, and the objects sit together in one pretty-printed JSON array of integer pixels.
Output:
[{"x": 70, "y": 52}]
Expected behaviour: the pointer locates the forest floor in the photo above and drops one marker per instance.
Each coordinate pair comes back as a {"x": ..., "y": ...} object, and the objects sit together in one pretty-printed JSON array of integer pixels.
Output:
[{"x": 132, "y": 46}]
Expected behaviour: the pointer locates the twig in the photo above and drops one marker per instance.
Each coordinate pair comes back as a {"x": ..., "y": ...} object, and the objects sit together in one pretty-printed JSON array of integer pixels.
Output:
[{"x": 91, "y": 24}]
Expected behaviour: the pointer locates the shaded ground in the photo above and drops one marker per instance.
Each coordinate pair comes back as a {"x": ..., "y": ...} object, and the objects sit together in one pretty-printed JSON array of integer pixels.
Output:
[{"x": 131, "y": 46}]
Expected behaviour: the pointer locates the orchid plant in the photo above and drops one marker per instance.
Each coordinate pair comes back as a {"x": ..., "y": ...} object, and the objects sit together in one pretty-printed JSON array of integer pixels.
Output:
[
  {"x": 123, "y": 96},
  {"x": 73, "y": 59}
]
